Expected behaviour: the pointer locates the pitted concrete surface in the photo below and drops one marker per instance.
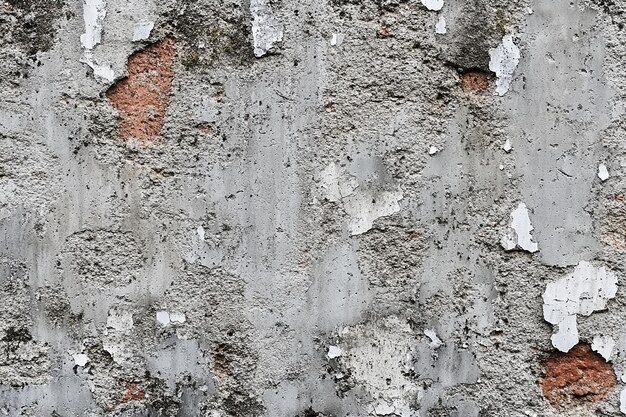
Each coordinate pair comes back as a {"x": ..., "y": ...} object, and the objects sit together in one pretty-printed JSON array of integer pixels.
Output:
[{"x": 290, "y": 208}]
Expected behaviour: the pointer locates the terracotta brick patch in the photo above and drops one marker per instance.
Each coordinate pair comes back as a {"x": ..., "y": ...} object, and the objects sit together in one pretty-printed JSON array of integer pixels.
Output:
[
  {"x": 578, "y": 376},
  {"x": 142, "y": 97},
  {"x": 474, "y": 80}
]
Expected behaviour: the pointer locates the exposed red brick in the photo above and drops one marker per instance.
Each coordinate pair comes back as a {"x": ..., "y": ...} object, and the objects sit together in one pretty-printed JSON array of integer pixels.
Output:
[
  {"x": 132, "y": 394},
  {"x": 474, "y": 80},
  {"x": 384, "y": 31},
  {"x": 142, "y": 97},
  {"x": 576, "y": 377}
]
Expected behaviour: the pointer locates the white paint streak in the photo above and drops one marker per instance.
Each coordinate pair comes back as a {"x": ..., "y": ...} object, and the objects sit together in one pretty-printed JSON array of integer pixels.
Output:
[
  {"x": 267, "y": 30},
  {"x": 603, "y": 172},
  {"x": 94, "y": 12},
  {"x": 519, "y": 234},
  {"x": 604, "y": 345},
  {"x": 334, "y": 352},
  {"x": 622, "y": 401},
  {"x": 433, "y": 4},
  {"x": 142, "y": 31},
  {"x": 440, "y": 27},
  {"x": 503, "y": 61},
  {"x": 584, "y": 291}
]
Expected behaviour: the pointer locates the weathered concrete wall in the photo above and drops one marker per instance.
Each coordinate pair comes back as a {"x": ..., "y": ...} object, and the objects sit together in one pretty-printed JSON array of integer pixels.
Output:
[{"x": 302, "y": 208}]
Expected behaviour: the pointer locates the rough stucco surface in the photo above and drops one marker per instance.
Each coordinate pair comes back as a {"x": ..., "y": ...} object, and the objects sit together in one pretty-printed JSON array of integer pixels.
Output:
[{"x": 296, "y": 208}]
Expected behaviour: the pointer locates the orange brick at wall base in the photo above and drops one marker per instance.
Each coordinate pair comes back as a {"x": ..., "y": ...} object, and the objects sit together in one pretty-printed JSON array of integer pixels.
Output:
[
  {"x": 576, "y": 377},
  {"x": 142, "y": 98}
]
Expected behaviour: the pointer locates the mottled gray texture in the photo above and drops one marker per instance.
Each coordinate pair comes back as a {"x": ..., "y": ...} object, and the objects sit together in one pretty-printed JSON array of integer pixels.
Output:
[{"x": 226, "y": 218}]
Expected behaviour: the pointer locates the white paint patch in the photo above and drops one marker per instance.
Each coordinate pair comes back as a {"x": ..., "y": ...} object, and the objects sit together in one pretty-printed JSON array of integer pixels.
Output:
[
  {"x": 178, "y": 318},
  {"x": 519, "y": 234},
  {"x": 440, "y": 27},
  {"x": 433, "y": 150},
  {"x": 337, "y": 39},
  {"x": 363, "y": 206},
  {"x": 503, "y": 61},
  {"x": 103, "y": 71},
  {"x": 163, "y": 317},
  {"x": 80, "y": 359},
  {"x": 266, "y": 29},
  {"x": 142, "y": 31},
  {"x": 584, "y": 291},
  {"x": 433, "y": 4},
  {"x": 200, "y": 231},
  {"x": 435, "y": 342},
  {"x": 507, "y": 146},
  {"x": 94, "y": 12},
  {"x": 622, "y": 401},
  {"x": 166, "y": 317},
  {"x": 334, "y": 352},
  {"x": 604, "y": 345},
  {"x": 366, "y": 207},
  {"x": 603, "y": 172}
]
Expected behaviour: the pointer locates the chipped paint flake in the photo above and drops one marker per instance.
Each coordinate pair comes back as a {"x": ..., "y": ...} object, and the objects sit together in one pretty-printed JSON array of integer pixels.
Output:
[
  {"x": 584, "y": 291},
  {"x": 163, "y": 317},
  {"x": 440, "y": 27},
  {"x": 384, "y": 409},
  {"x": 604, "y": 345},
  {"x": 102, "y": 71},
  {"x": 267, "y": 30},
  {"x": 94, "y": 12},
  {"x": 503, "y": 61},
  {"x": 80, "y": 359},
  {"x": 433, "y": 150},
  {"x": 177, "y": 317},
  {"x": 201, "y": 233},
  {"x": 622, "y": 401},
  {"x": 142, "y": 31},
  {"x": 435, "y": 342},
  {"x": 519, "y": 234},
  {"x": 603, "y": 172},
  {"x": 334, "y": 352},
  {"x": 433, "y": 4},
  {"x": 363, "y": 205}
]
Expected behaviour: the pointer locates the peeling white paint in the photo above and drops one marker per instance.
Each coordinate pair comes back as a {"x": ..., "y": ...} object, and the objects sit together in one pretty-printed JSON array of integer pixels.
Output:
[
  {"x": 603, "y": 172},
  {"x": 433, "y": 4},
  {"x": 80, "y": 359},
  {"x": 433, "y": 150},
  {"x": 267, "y": 30},
  {"x": 435, "y": 342},
  {"x": 440, "y": 27},
  {"x": 334, "y": 352},
  {"x": 584, "y": 291},
  {"x": 200, "y": 231},
  {"x": 363, "y": 205},
  {"x": 142, "y": 31},
  {"x": 178, "y": 318},
  {"x": 94, "y": 12},
  {"x": 622, "y": 401},
  {"x": 337, "y": 39},
  {"x": 163, "y": 317},
  {"x": 503, "y": 61},
  {"x": 507, "y": 146},
  {"x": 604, "y": 345},
  {"x": 103, "y": 71},
  {"x": 166, "y": 318},
  {"x": 519, "y": 234},
  {"x": 366, "y": 207}
]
